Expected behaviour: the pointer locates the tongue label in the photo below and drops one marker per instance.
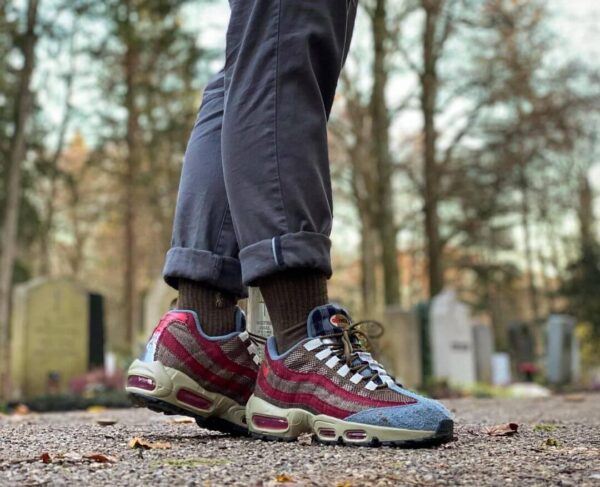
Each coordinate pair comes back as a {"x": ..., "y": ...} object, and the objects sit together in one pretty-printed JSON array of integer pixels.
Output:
[{"x": 339, "y": 320}]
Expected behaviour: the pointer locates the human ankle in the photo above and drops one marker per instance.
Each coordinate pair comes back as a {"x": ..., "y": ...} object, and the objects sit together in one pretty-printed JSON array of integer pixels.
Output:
[
  {"x": 215, "y": 308},
  {"x": 290, "y": 296}
]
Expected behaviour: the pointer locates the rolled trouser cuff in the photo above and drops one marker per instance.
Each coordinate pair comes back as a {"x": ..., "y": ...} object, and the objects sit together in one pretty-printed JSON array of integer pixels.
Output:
[
  {"x": 301, "y": 250},
  {"x": 223, "y": 273}
]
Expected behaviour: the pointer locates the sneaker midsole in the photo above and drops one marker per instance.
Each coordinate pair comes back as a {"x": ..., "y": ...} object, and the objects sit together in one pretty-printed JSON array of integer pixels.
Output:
[
  {"x": 289, "y": 423},
  {"x": 155, "y": 380}
]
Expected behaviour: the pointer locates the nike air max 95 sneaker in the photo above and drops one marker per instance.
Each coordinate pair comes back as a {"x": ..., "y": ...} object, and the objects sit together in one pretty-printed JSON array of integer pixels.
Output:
[
  {"x": 330, "y": 386},
  {"x": 184, "y": 371}
]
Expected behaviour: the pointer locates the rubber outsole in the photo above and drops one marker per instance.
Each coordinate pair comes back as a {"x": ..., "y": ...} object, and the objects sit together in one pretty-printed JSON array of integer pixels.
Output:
[
  {"x": 443, "y": 434},
  {"x": 210, "y": 423}
]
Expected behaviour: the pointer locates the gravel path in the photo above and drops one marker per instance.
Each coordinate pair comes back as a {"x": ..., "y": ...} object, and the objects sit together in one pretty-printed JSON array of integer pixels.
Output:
[{"x": 558, "y": 443}]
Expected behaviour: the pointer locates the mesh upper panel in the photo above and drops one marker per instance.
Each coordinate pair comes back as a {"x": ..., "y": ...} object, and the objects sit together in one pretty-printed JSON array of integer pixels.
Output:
[
  {"x": 180, "y": 348},
  {"x": 285, "y": 390},
  {"x": 301, "y": 360}
]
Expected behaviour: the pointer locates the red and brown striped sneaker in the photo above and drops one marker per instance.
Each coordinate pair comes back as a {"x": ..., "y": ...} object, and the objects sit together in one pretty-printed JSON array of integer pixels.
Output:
[
  {"x": 184, "y": 371},
  {"x": 328, "y": 385}
]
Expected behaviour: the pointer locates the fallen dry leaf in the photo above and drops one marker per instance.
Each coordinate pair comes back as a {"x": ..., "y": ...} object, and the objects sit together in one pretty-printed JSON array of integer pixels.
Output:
[
  {"x": 143, "y": 444},
  {"x": 96, "y": 409},
  {"x": 99, "y": 458},
  {"x": 184, "y": 420},
  {"x": 72, "y": 457},
  {"x": 106, "y": 422},
  {"x": 505, "y": 429},
  {"x": 283, "y": 477},
  {"x": 574, "y": 397},
  {"x": 45, "y": 457},
  {"x": 21, "y": 410}
]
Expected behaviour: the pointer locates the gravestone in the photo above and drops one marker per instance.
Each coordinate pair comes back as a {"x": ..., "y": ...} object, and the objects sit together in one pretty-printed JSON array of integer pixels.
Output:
[
  {"x": 522, "y": 348},
  {"x": 483, "y": 340},
  {"x": 50, "y": 336},
  {"x": 422, "y": 313},
  {"x": 501, "y": 369},
  {"x": 562, "y": 350},
  {"x": 96, "y": 324},
  {"x": 452, "y": 353},
  {"x": 156, "y": 303},
  {"x": 258, "y": 318},
  {"x": 400, "y": 346}
]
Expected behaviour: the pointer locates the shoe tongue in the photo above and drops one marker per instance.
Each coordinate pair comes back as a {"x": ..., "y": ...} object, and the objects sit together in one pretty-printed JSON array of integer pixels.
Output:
[{"x": 327, "y": 319}]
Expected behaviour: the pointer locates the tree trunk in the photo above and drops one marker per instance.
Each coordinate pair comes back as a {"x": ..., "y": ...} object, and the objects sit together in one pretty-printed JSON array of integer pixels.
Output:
[
  {"x": 131, "y": 65},
  {"x": 386, "y": 226},
  {"x": 585, "y": 212},
  {"x": 429, "y": 88},
  {"x": 368, "y": 263},
  {"x": 525, "y": 214},
  {"x": 23, "y": 106},
  {"x": 48, "y": 222}
]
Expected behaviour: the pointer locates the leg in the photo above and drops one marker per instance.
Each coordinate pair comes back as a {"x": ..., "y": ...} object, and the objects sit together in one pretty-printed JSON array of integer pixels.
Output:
[
  {"x": 204, "y": 248},
  {"x": 203, "y": 261},
  {"x": 284, "y": 58},
  {"x": 201, "y": 364},
  {"x": 283, "y": 61}
]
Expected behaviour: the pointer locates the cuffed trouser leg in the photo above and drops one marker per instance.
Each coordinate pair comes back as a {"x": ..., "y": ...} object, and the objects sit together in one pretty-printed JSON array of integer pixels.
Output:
[
  {"x": 204, "y": 246},
  {"x": 283, "y": 61}
]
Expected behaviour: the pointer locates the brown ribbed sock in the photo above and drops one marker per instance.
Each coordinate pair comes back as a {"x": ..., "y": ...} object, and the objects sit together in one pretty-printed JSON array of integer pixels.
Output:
[
  {"x": 216, "y": 309},
  {"x": 290, "y": 296}
]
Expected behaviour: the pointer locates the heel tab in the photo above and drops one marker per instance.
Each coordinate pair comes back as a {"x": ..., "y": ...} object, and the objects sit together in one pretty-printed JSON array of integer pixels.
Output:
[
  {"x": 270, "y": 349},
  {"x": 183, "y": 316},
  {"x": 187, "y": 316}
]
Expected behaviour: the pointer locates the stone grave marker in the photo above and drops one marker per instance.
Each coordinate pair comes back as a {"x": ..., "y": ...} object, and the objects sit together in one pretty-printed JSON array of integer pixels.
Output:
[
  {"x": 258, "y": 318},
  {"x": 483, "y": 340},
  {"x": 522, "y": 347},
  {"x": 562, "y": 350},
  {"x": 452, "y": 351},
  {"x": 50, "y": 336},
  {"x": 400, "y": 346},
  {"x": 96, "y": 323},
  {"x": 156, "y": 303},
  {"x": 501, "y": 369}
]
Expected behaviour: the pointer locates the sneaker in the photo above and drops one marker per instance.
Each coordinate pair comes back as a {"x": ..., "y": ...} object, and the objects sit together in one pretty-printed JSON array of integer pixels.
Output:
[
  {"x": 184, "y": 371},
  {"x": 330, "y": 386}
]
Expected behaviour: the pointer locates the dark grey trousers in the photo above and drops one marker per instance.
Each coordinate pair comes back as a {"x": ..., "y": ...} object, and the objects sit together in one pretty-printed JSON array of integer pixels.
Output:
[{"x": 255, "y": 191}]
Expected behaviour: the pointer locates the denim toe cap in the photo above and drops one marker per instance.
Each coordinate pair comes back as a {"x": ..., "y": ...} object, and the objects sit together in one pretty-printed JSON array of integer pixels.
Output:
[{"x": 423, "y": 415}]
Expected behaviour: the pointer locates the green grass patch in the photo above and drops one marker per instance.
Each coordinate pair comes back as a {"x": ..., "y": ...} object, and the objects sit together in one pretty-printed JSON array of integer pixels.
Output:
[
  {"x": 544, "y": 428},
  {"x": 552, "y": 442}
]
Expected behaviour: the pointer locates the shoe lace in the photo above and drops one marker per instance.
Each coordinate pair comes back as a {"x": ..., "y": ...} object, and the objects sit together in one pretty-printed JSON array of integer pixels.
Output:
[{"x": 353, "y": 345}]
